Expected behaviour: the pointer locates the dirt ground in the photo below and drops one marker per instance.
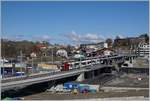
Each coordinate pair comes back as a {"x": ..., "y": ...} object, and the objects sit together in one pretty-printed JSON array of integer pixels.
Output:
[
  {"x": 50, "y": 96},
  {"x": 129, "y": 80},
  {"x": 141, "y": 62}
]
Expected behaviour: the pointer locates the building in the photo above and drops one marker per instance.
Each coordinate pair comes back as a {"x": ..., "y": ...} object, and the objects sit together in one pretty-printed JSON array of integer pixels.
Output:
[
  {"x": 143, "y": 49},
  {"x": 41, "y": 46},
  {"x": 96, "y": 46},
  {"x": 105, "y": 52},
  {"x": 90, "y": 49},
  {"x": 131, "y": 42},
  {"x": 135, "y": 41},
  {"x": 127, "y": 45},
  {"x": 10, "y": 69}
]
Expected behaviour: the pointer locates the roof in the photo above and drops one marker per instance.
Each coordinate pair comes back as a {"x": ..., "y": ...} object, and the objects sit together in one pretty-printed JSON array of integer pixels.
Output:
[
  {"x": 41, "y": 46},
  {"x": 94, "y": 43},
  {"x": 110, "y": 49}
]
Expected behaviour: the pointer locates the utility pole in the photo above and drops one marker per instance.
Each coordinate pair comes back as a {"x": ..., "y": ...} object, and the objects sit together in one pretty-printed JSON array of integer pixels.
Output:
[
  {"x": 32, "y": 65},
  {"x": 12, "y": 67},
  {"x": 41, "y": 58},
  {"x": 80, "y": 60},
  {"x": 52, "y": 56},
  {"x": 21, "y": 62},
  {"x": 80, "y": 54},
  {"x": 3, "y": 68}
]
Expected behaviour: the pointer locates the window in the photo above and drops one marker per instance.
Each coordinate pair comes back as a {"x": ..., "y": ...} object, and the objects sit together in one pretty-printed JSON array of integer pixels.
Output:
[{"x": 125, "y": 64}]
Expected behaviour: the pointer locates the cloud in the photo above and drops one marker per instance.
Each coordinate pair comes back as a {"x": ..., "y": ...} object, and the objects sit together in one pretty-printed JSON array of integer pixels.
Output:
[
  {"x": 46, "y": 37},
  {"x": 19, "y": 36},
  {"x": 92, "y": 38},
  {"x": 43, "y": 38},
  {"x": 85, "y": 38},
  {"x": 73, "y": 36},
  {"x": 120, "y": 36}
]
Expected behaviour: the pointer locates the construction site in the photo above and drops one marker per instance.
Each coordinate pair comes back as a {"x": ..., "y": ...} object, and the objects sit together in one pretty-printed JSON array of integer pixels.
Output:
[
  {"x": 127, "y": 82},
  {"x": 127, "y": 85}
]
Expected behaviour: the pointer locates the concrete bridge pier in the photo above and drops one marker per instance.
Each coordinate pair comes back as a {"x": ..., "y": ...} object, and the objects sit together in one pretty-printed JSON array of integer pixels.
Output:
[
  {"x": 81, "y": 77},
  {"x": 88, "y": 75},
  {"x": 94, "y": 73}
]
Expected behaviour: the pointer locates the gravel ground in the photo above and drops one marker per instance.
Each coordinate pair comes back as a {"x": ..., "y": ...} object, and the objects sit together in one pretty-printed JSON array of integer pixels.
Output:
[
  {"x": 129, "y": 80},
  {"x": 49, "y": 96},
  {"x": 141, "y": 62}
]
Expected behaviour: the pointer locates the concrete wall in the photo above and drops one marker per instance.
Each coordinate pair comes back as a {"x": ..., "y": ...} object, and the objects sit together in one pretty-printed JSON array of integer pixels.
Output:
[
  {"x": 94, "y": 73},
  {"x": 134, "y": 70}
]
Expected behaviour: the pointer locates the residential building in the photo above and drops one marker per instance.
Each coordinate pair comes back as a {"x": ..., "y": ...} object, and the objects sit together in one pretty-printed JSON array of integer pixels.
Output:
[
  {"x": 143, "y": 49},
  {"x": 96, "y": 46},
  {"x": 130, "y": 42}
]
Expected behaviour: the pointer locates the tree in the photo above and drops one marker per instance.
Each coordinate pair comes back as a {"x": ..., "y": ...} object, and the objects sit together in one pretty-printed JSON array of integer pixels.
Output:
[
  {"x": 69, "y": 49},
  {"x": 109, "y": 41},
  {"x": 146, "y": 36},
  {"x": 12, "y": 48},
  {"x": 46, "y": 43},
  {"x": 8, "y": 48},
  {"x": 118, "y": 37}
]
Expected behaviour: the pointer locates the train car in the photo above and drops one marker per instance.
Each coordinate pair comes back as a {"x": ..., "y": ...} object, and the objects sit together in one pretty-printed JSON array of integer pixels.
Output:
[
  {"x": 65, "y": 66},
  {"x": 89, "y": 62},
  {"x": 83, "y": 63},
  {"x": 77, "y": 64},
  {"x": 73, "y": 65},
  {"x": 98, "y": 61},
  {"x": 93, "y": 61}
]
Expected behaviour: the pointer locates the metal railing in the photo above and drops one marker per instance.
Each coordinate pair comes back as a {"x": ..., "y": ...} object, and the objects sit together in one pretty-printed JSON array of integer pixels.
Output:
[{"x": 95, "y": 61}]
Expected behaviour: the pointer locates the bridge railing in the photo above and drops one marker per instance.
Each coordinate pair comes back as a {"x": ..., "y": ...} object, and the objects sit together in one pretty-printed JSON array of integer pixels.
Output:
[{"x": 81, "y": 64}]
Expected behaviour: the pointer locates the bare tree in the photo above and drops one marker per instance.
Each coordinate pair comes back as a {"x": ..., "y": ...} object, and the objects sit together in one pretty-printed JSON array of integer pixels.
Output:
[{"x": 109, "y": 41}]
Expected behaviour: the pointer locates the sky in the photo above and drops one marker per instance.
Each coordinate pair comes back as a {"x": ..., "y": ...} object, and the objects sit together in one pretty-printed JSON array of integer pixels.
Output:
[{"x": 68, "y": 22}]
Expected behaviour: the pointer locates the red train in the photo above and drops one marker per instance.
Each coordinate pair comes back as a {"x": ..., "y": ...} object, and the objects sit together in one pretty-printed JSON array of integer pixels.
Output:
[{"x": 65, "y": 66}]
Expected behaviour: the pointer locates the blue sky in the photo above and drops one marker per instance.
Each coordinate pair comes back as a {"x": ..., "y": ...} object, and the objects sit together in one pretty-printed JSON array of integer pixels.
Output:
[{"x": 73, "y": 22}]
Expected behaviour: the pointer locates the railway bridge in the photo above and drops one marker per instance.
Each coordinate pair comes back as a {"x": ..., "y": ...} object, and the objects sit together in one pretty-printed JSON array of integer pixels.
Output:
[{"x": 99, "y": 66}]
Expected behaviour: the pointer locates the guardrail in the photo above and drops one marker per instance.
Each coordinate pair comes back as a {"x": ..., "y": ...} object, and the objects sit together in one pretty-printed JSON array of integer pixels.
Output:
[{"x": 80, "y": 65}]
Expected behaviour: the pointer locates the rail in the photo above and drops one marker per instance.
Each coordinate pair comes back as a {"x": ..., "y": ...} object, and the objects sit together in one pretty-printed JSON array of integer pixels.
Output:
[{"x": 93, "y": 61}]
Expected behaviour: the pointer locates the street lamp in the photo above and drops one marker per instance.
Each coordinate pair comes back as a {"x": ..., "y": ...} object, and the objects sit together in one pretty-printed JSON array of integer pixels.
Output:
[
  {"x": 33, "y": 55},
  {"x": 3, "y": 67},
  {"x": 52, "y": 56},
  {"x": 21, "y": 62},
  {"x": 32, "y": 65}
]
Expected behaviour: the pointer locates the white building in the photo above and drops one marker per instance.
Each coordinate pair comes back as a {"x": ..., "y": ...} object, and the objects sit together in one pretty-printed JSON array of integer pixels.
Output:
[
  {"x": 107, "y": 52},
  {"x": 143, "y": 49},
  {"x": 102, "y": 45},
  {"x": 96, "y": 46},
  {"x": 33, "y": 54}
]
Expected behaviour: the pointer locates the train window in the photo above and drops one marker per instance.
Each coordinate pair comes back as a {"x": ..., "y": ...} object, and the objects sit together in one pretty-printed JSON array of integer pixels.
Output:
[
  {"x": 76, "y": 64},
  {"x": 89, "y": 62},
  {"x": 83, "y": 63},
  {"x": 125, "y": 64}
]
